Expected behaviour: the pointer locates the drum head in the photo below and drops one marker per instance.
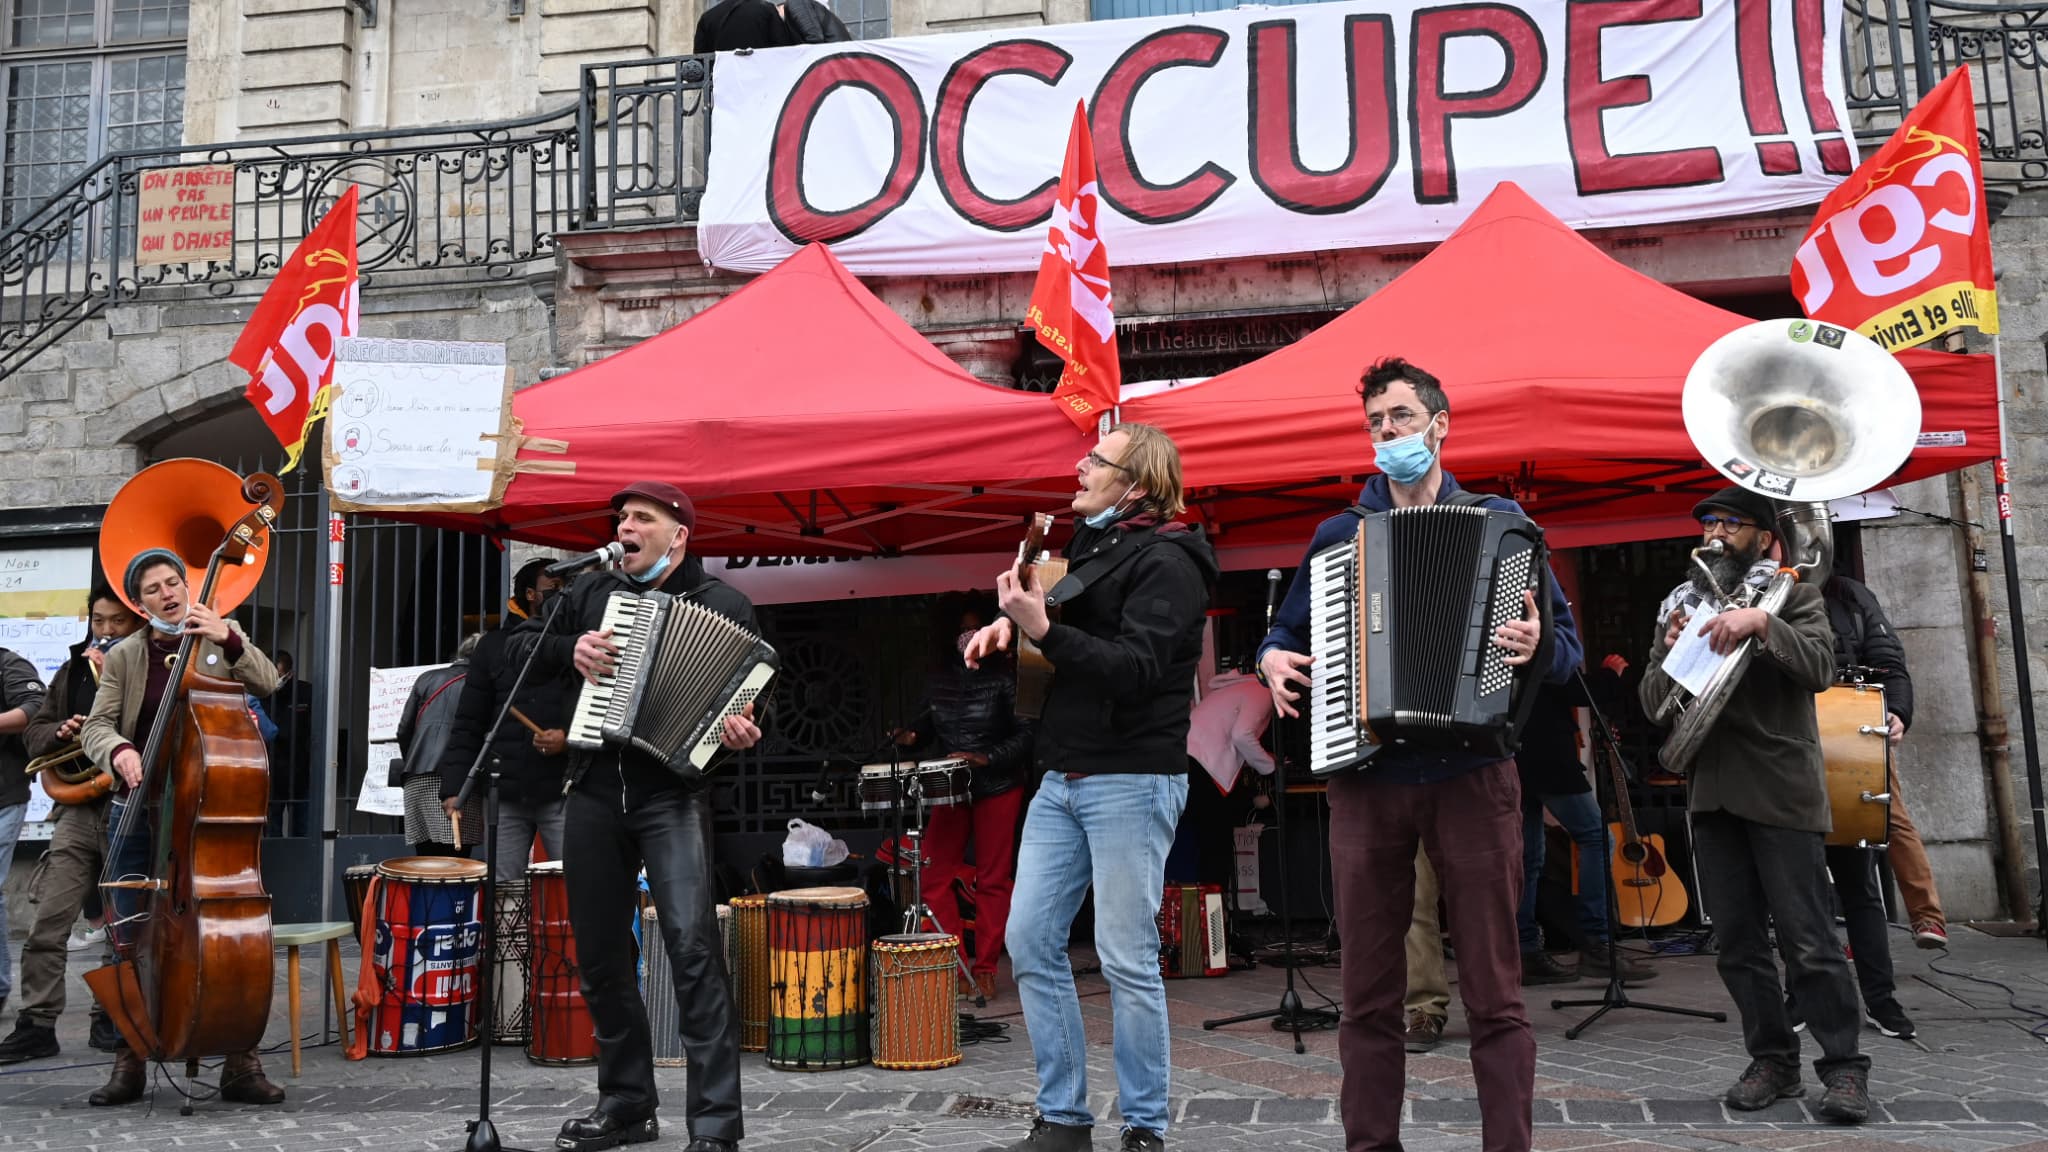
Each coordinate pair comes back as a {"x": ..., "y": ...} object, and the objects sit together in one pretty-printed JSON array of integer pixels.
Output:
[
  {"x": 909, "y": 941},
  {"x": 432, "y": 869},
  {"x": 837, "y": 897}
]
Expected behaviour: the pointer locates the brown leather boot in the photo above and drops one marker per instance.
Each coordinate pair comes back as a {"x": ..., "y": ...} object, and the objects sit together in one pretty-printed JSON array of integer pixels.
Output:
[
  {"x": 124, "y": 1086},
  {"x": 242, "y": 1081}
]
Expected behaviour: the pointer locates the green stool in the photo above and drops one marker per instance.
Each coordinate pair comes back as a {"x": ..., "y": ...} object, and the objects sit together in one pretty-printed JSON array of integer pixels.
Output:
[{"x": 292, "y": 937}]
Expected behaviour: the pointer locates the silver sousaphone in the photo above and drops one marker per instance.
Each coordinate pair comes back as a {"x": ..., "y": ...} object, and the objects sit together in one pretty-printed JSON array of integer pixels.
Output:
[{"x": 1801, "y": 412}]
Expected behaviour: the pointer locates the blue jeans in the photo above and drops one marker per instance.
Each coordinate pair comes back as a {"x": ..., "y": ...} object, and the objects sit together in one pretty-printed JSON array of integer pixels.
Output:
[
  {"x": 10, "y": 828},
  {"x": 1579, "y": 812},
  {"x": 126, "y": 856},
  {"x": 1112, "y": 832}
]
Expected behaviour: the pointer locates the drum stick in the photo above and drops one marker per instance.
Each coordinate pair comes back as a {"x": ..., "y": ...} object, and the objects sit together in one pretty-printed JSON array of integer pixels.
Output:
[
  {"x": 455, "y": 821},
  {"x": 521, "y": 717}
]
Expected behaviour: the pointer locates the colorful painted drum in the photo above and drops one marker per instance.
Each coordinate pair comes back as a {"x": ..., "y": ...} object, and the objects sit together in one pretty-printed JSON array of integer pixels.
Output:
[
  {"x": 424, "y": 957},
  {"x": 750, "y": 980},
  {"x": 511, "y": 958},
  {"x": 818, "y": 960},
  {"x": 917, "y": 1025},
  {"x": 558, "y": 1021}
]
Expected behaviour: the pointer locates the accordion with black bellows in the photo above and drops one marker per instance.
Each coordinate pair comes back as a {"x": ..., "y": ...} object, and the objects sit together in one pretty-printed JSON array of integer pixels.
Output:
[
  {"x": 682, "y": 670},
  {"x": 1401, "y": 625}
]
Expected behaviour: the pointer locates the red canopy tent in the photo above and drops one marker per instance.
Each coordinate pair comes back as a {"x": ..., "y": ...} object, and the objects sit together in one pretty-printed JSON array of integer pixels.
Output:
[
  {"x": 1564, "y": 370},
  {"x": 804, "y": 418}
]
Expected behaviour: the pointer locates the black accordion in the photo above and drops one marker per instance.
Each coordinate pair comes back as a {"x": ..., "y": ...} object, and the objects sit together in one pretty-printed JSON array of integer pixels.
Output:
[
  {"x": 682, "y": 670},
  {"x": 1401, "y": 624}
]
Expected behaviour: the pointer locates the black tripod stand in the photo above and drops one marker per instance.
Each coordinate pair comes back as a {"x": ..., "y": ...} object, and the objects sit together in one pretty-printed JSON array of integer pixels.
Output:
[
  {"x": 1615, "y": 996},
  {"x": 483, "y": 1135},
  {"x": 1290, "y": 1016}
]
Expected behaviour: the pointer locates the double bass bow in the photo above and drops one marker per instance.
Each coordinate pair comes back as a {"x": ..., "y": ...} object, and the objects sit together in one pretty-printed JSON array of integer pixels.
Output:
[{"x": 193, "y": 968}]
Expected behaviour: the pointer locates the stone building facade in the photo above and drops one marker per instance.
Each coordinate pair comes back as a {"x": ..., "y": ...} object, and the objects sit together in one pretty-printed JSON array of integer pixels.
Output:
[{"x": 82, "y": 416}]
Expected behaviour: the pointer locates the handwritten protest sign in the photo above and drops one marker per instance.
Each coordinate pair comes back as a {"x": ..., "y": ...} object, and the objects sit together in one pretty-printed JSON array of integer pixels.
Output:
[
  {"x": 42, "y": 614},
  {"x": 185, "y": 215},
  {"x": 418, "y": 424}
]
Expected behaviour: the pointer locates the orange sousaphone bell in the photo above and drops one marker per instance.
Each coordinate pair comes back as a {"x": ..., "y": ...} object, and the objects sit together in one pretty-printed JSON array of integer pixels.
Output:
[{"x": 194, "y": 977}]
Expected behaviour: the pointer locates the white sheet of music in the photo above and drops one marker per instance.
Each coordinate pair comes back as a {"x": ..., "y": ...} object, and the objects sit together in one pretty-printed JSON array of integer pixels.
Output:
[{"x": 1691, "y": 662}]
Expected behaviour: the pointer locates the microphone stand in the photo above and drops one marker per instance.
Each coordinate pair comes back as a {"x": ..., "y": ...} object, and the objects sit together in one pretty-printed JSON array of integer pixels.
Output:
[
  {"x": 1290, "y": 1016},
  {"x": 1616, "y": 995},
  {"x": 483, "y": 1135}
]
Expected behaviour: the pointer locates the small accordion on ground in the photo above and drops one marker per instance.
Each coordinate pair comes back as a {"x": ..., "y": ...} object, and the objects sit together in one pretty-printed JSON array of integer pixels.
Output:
[
  {"x": 1191, "y": 940},
  {"x": 682, "y": 670},
  {"x": 1401, "y": 625}
]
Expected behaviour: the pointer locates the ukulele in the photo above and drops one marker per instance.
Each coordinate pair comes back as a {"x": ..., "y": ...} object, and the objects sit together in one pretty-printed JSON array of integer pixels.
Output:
[
  {"x": 1034, "y": 671},
  {"x": 1646, "y": 891}
]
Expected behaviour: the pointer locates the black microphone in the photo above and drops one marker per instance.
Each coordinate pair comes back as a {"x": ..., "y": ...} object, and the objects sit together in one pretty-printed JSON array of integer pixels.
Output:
[
  {"x": 821, "y": 789},
  {"x": 611, "y": 553},
  {"x": 1272, "y": 594}
]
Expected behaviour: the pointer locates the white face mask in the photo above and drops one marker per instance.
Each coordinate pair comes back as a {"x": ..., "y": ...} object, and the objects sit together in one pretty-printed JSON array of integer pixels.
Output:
[{"x": 1108, "y": 516}]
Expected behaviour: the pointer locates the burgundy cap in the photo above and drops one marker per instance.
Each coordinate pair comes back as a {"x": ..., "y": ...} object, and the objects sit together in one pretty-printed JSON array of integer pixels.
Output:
[{"x": 663, "y": 493}]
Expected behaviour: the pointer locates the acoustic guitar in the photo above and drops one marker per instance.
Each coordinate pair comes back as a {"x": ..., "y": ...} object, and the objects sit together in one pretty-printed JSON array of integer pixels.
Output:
[
  {"x": 1646, "y": 891},
  {"x": 1035, "y": 567}
]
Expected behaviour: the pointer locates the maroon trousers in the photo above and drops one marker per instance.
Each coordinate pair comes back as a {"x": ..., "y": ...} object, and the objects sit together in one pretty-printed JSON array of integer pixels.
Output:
[
  {"x": 992, "y": 823},
  {"x": 1471, "y": 825}
]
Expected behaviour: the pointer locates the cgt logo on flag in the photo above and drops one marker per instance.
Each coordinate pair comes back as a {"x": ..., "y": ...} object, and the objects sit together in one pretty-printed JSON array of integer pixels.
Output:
[
  {"x": 1071, "y": 304},
  {"x": 289, "y": 343},
  {"x": 1901, "y": 251}
]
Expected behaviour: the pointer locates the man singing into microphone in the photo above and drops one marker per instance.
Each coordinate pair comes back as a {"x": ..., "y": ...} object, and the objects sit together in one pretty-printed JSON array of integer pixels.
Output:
[{"x": 627, "y": 809}]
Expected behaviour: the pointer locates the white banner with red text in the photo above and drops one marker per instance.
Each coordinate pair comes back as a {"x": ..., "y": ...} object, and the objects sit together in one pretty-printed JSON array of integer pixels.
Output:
[{"x": 1267, "y": 130}]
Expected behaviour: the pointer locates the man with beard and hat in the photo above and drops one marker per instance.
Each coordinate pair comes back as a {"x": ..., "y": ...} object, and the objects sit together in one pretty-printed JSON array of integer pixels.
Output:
[{"x": 1757, "y": 794}]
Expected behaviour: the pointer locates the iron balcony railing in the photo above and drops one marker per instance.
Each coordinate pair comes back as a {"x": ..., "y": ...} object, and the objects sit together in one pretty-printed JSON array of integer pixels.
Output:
[{"x": 487, "y": 201}]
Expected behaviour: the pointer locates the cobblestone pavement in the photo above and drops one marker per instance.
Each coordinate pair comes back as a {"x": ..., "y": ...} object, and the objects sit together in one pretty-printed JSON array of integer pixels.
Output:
[{"x": 1636, "y": 1080}]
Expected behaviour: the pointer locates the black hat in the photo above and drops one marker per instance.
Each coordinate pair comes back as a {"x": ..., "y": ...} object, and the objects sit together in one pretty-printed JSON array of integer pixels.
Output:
[
  {"x": 1744, "y": 503},
  {"x": 663, "y": 493}
]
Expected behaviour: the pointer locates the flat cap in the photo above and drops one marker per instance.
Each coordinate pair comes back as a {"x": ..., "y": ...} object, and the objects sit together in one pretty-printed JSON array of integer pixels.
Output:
[{"x": 663, "y": 493}]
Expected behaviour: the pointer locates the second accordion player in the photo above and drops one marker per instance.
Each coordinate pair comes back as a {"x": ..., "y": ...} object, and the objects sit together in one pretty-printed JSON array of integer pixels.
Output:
[
  {"x": 682, "y": 670},
  {"x": 1401, "y": 624}
]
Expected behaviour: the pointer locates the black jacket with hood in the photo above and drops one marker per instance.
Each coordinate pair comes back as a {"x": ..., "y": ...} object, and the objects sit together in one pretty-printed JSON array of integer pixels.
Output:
[
  {"x": 630, "y": 772},
  {"x": 1124, "y": 649}
]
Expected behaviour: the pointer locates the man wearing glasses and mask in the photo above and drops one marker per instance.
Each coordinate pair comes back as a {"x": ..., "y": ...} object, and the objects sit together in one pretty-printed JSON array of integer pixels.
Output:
[
  {"x": 1463, "y": 810},
  {"x": 1757, "y": 793}
]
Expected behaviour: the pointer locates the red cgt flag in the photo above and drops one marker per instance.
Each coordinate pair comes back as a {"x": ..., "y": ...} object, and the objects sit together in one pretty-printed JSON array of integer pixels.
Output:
[
  {"x": 1901, "y": 251},
  {"x": 1070, "y": 303},
  {"x": 288, "y": 345}
]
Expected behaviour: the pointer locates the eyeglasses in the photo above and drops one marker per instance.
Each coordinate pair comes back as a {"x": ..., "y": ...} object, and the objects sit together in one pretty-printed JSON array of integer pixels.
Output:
[
  {"x": 1711, "y": 524},
  {"x": 1094, "y": 460},
  {"x": 1401, "y": 418}
]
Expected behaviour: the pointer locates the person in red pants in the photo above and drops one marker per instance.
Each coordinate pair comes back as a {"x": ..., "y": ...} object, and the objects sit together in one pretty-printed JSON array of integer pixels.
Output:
[{"x": 969, "y": 713}]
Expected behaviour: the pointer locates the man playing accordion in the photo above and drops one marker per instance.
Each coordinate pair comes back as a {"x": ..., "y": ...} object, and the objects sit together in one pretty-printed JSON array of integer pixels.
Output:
[{"x": 627, "y": 809}]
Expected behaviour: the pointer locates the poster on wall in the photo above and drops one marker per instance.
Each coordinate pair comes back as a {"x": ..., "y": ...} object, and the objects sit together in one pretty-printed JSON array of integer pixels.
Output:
[
  {"x": 390, "y": 688},
  {"x": 1267, "y": 130},
  {"x": 42, "y": 614},
  {"x": 419, "y": 424}
]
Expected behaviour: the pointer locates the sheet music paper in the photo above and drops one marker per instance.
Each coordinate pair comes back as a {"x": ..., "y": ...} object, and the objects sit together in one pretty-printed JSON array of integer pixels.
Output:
[{"x": 1691, "y": 662}]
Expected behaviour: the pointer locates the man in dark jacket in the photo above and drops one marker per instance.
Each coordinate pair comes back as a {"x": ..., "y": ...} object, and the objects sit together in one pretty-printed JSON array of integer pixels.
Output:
[
  {"x": 1865, "y": 646},
  {"x": 1758, "y": 797},
  {"x": 1463, "y": 810},
  {"x": 1111, "y": 751},
  {"x": 423, "y": 733},
  {"x": 730, "y": 25},
  {"x": 71, "y": 865},
  {"x": 625, "y": 809},
  {"x": 21, "y": 695},
  {"x": 969, "y": 714},
  {"x": 527, "y": 750}
]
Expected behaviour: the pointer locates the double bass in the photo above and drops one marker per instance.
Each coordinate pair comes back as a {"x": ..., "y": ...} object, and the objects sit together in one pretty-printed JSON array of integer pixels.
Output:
[{"x": 193, "y": 967}]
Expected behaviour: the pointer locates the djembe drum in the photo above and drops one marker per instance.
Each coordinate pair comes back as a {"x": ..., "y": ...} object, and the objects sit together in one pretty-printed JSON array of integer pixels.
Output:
[
  {"x": 559, "y": 1030},
  {"x": 511, "y": 958},
  {"x": 818, "y": 957},
  {"x": 750, "y": 982},
  {"x": 355, "y": 889},
  {"x": 917, "y": 1026},
  {"x": 658, "y": 985},
  {"x": 424, "y": 957}
]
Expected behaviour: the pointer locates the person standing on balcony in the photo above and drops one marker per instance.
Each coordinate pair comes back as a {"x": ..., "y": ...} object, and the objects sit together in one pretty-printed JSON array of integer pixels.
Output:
[{"x": 732, "y": 25}]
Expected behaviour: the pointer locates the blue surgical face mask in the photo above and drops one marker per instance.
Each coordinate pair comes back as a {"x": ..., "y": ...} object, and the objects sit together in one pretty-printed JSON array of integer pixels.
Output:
[
  {"x": 1405, "y": 459},
  {"x": 1108, "y": 516},
  {"x": 166, "y": 627}
]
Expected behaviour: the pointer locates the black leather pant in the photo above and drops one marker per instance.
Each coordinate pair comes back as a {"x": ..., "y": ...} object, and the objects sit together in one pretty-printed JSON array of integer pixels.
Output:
[{"x": 604, "y": 848}]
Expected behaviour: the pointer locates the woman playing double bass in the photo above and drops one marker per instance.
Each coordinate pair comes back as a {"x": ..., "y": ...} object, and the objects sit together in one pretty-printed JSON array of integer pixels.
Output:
[{"x": 132, "y": 688}]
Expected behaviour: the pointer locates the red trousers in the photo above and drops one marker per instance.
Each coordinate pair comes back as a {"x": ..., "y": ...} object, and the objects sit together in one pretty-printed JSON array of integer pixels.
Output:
[{"x": 992, "y": 823}]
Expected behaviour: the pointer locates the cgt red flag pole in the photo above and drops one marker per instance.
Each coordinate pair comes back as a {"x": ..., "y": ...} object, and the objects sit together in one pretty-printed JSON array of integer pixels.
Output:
[
  {"x": 288, "y": 345},
  {"x": 1071, "y": 306}
]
